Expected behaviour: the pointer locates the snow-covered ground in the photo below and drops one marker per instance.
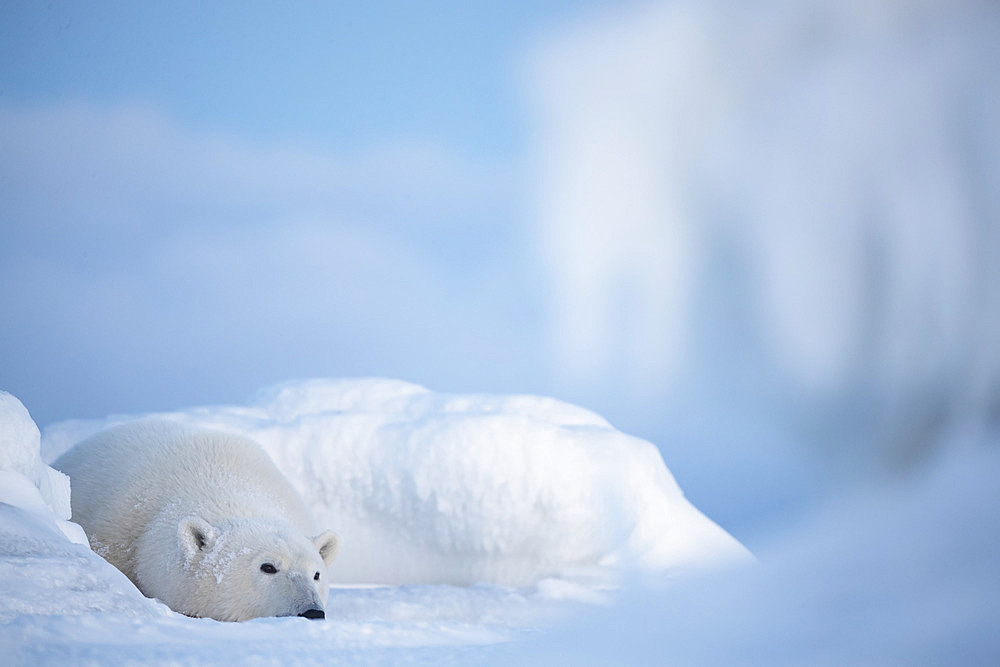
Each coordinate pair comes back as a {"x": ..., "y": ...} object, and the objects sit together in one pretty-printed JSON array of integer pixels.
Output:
[
  {"x": 466, "y": 522},
  {"x": 907, "y": 574},
  {"x": 517, "y": 529},
  {"x": 488, "y": 529}
]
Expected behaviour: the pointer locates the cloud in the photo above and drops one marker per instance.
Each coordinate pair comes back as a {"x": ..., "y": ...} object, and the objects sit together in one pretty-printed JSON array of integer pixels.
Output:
[
  {"x": 116, "y": 164},
  {"x": 191, "y": 265}
]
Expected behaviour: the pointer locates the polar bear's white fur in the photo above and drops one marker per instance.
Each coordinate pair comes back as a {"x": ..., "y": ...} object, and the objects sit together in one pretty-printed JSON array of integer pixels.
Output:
[{"x": 199, "y": 519}]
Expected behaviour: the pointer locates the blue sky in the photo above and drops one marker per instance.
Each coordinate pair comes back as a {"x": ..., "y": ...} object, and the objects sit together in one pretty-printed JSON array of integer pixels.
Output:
[
  {"x": 144, "y": 127},
  {"x": 341, "y": 75}
]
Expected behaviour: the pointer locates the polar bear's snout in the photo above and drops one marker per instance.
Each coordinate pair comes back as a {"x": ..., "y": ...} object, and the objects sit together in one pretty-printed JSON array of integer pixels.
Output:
[{"x": 313, "y": 613}]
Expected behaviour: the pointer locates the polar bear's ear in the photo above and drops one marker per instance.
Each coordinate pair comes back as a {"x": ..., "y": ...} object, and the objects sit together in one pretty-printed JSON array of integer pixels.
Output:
[
  {"x": 195, "y": 535},
  {"x": 328, "y": 545}
]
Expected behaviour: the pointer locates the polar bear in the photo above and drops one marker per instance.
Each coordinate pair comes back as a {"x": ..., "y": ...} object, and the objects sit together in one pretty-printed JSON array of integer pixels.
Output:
[{"x": 201, "y": 520}]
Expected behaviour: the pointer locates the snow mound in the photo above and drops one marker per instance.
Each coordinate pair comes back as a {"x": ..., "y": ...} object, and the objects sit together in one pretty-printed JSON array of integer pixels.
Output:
[
  {"x": 20, "y": 446},
  {"x": 45, "y": 565},
  {"x": 62, "y": 603},
  {"x": 433, "y": 488}
]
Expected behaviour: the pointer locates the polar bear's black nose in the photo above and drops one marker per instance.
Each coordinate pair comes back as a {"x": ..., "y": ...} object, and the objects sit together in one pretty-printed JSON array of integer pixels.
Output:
[{"x": 313, "y": 613}]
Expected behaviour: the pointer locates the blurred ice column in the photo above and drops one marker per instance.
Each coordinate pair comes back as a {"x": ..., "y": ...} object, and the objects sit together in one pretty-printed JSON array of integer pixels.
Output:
[{"x": 843, "y": 161}]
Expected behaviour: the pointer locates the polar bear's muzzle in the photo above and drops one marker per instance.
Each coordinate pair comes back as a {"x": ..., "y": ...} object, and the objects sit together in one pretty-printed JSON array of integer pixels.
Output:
[{"x": 313, "y": 613}]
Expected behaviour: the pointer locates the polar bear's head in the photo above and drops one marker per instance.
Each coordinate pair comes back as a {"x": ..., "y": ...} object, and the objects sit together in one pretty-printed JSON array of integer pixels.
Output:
[{"x": 248, "y": 568}]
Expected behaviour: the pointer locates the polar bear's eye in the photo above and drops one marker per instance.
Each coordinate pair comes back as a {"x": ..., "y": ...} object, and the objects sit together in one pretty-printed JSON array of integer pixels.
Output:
[
  {"x": 316, "y": 577},
  {"x": 267, "y": 568}
]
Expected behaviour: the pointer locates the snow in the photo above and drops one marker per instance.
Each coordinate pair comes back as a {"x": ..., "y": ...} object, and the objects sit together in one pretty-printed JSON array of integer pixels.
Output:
[
  {"x": 46, "y": 567},
  {"x": 432, "y": 488},
  {"x": 465, "y": 521},
  {"x": 906, "y": 574},
  {"x": 25, "y": 481},
  {"x": 20, "y": 454},
  {"x": 899, "y": 574}
]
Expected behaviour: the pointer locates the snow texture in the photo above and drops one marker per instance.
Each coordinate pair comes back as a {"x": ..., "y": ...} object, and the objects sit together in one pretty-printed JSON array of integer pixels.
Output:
[
  {"x": 900, "y": 575},
  {"x": 379, "y": 451},
  {"x": 20, "y": 444},
  {"x": 430, "y": 488},
  {"x": 906, "y": 574},
  {"x": 46, "y": 567},
  {"x": 25, "y": 481}
]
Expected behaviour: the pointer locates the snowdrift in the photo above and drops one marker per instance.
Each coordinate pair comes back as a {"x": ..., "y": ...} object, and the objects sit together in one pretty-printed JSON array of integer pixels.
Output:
[
  {"x": 46, "y": 566},
  {"x": 458, "y": 489},
  {"x": 900, "y": 574},
  {"x": 422, "y": 486}
]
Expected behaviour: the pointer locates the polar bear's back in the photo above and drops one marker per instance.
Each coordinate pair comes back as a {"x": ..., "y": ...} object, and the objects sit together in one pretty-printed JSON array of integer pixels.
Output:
[{"x": 126, "y": 479}]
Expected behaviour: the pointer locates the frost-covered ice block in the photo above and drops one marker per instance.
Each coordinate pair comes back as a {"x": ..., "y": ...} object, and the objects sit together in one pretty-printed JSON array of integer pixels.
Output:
[{"x": 433, "y": 488}]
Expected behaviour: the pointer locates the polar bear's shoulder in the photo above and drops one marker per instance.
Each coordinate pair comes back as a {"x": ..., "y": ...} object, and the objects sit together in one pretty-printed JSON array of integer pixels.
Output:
[{"x": 124, "y": 475}]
